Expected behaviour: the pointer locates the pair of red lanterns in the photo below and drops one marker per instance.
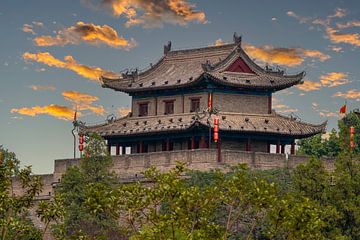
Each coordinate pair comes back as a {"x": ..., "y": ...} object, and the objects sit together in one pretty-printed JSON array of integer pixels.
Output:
[{"x": 81, "y": 142}]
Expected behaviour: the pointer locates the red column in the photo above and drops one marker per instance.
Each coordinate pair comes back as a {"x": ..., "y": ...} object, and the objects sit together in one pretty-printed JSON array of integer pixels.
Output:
[
  {"x": 278, "y": 147},
  {"x": 117, "y": 149},
  {"x": 292, "y": 150},
  {"x": 123, "y": 150},
  {"x": 202, "y": 142},
  {"x": 167, "y": 144},
  {"x": 283, "y": 148},
  {"x": 192, "y": 142},
  {"x": 141, "y": 147},
  {"x": 219, "y": 150},
  {"x": 248, "y": 145},
  {"x": 269, "y": 104}
]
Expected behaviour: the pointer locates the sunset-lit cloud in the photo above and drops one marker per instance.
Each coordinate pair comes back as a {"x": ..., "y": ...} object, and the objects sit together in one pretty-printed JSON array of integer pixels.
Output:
[
  {"x": 79, "y": 101},
  {"x": 153, "y": 13},
  {"x": 123, "y": 111},
  {"x": 88, "y": 33},
  {"x": 336, "y": 48},
  {"x": 323, "y": 112},
  {"x": 29, "y": 28},
  {"x": 83, "y": 101},
  {"x": 290, "y": 57},
  {"x": 57, "y": 111},
  {"x": 331, "y": 32},
  {"x": 69, "y": 63},
  {"x": 349, "y": 38},
  {"x": 42, "y": 88},
  {"x": 327, "y": 113},
  {"x": 280, "y": 107},
  {"x": 355, "y": 23},
  {"x": 334, "y": 79},
  {"x": 350, "y": 94},
  {"x": 309, "y": 86},
  {"x": 219, "y": 42}
]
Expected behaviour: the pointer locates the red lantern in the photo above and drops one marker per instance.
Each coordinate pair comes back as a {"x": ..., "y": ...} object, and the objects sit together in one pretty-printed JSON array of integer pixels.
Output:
[
  {"x": 210, "y": 101},
  {"x": 81, "y": 139},
  {"x": 352, "y": 133},
  {"x": 81, "y": 142},
  {"x": 216, "y": 129}
]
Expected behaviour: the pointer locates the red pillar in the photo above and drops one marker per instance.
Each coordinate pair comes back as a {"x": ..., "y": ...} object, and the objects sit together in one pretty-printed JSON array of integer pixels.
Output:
[
  {"x": 109, "y": 148},
  {"x": 292, "y": 149},
  {"x": 278, "y": 147},
  {"x": 167, "y": 144},
  {"x": 248, "y": 145},
  {"x": 123, "y": 150},
  {"x": 117, "y": 149},
  {"x": 202, "y": 142},
  {"x": 283, "y": 148},
  {"x": 219, "y": 150},
  {"x": 192, "y": 142},
  {"x": 141, "y": 147}
]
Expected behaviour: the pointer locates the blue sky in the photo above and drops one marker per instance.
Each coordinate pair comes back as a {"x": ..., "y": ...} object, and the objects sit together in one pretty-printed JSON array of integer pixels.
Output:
[{"x": 52, "y": 52}]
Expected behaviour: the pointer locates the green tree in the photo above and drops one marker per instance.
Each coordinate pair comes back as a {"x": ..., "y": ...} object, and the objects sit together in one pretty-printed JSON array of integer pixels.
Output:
[
  {"x": 81, "y": 188},
  {"x": 14, "y": 208}
]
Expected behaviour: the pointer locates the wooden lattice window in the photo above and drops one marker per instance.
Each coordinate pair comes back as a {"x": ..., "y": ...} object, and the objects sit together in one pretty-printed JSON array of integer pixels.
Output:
[
  {"x": 195, "y": 105},
  {"x": 143, "y": 109},
  {"x": 169, "y": 107}
]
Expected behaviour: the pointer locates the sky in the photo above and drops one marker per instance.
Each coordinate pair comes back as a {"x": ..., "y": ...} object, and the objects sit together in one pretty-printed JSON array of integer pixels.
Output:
[{"x": 53, "y": 52}]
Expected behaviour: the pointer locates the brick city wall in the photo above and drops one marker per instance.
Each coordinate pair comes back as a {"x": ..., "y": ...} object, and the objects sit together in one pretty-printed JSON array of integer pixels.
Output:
[{"x": 130, "y": 167}]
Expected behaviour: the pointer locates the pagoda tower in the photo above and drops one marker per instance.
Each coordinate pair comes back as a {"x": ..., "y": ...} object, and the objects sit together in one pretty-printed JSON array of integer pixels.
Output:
[{"x": 175, "y": 102}]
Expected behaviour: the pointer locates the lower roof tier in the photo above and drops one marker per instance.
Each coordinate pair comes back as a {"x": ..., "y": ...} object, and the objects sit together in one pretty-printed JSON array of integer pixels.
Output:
[{"x": 268, "y": 124}]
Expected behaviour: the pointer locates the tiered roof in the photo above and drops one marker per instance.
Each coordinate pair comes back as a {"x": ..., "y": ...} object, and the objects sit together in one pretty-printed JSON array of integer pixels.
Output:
[
  {"x": 234, "y": 122},
  {"x": 227, "y": 64}
]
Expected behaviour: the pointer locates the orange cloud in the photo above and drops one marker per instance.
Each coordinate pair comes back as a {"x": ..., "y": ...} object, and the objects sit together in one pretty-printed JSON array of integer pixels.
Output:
[
  {"x": 123, "y": 111},
  {"x": 28, "y": 28},
  {"x": 58, "y": 111},
  {"x": 46, "y": 58},
  {"x": 336, "y": 48},
  {"x": 153, "y": 13},
  {"x": 327, "y": 113},
  {"x": 42, "y": 88},
  {"x": 349, "y": 38},
  {"x": 79, "y": 101},
  {"x": 350, "y": 94},
  {"x": 86, "y": 32},
  {"x": 334, "y": 79},
  {"x": 281, "y": 107},
  {"x": 309, "y": 86},
  {"x": 290, "y": 57},
  {"x": 83, "y": 101},
  {"x": 351, "y": 24},
  {"x": 219, "y": 42}
]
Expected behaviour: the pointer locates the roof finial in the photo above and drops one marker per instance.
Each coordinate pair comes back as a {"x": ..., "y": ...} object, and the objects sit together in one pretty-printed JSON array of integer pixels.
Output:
[
  {"x": 167, "y": 48},
  {"x": 237, "y": 38}
]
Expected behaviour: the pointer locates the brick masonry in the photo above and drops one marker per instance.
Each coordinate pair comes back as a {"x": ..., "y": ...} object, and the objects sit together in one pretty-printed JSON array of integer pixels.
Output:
[{"x": 130, "y": 167}]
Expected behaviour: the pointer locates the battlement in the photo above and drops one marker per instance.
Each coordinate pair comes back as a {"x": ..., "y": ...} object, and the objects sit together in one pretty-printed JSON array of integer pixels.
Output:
[{"x": 129, "y": 167}]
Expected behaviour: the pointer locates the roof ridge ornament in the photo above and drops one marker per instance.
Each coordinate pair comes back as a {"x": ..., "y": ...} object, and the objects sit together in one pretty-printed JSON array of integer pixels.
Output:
[
  {"x": 167, "y": 47},
  {"x": 237, "y": 39},
  {"x": 207, "y": 66}
]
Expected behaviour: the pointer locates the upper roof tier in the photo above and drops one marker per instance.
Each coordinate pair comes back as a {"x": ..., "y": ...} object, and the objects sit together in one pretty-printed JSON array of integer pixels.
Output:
[{"x": 227, "y": 65}]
